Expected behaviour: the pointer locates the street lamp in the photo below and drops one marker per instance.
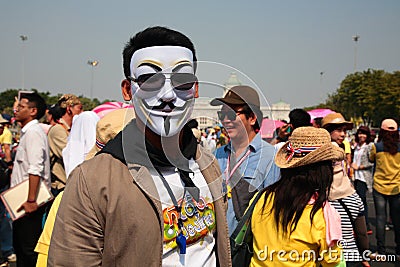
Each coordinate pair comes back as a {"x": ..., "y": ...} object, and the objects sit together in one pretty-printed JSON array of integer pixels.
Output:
[
  {"x": 355, "y": 39},
  {"x": 24, "y": 38},
  {"x": 92, "y": 63}
]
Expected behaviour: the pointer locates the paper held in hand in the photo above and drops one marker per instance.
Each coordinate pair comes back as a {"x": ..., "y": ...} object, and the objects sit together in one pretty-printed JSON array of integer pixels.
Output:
[{"x": 14, "y": 197}]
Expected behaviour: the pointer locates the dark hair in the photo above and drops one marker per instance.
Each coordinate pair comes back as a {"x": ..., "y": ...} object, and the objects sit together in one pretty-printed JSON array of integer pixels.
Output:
[
  {"x": 364, "y": 130},
  {"x": 253, "y": 110},
  {"x": 56, "y": 111},
  {"x": 295, "y": 189},
  {"x": 299, "y": 118},
  {"x": 36, "y": 101},
  {"x": 390, "y": 140},
  {"x": 192, "y": 123},
  {"x": 154, "y": 36},
  {"x": 318, "y": 121}
]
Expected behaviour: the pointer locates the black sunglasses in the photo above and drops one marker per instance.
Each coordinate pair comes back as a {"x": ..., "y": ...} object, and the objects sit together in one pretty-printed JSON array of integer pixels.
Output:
[
  {"x": 230, "y": 114},
  {"x": 155, "y": 81}
]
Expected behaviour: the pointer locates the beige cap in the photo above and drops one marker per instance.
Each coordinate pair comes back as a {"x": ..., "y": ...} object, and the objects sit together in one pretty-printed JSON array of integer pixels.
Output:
[
  {"x": 389, "y": 125},
  {"x": 109, "y": 126}
]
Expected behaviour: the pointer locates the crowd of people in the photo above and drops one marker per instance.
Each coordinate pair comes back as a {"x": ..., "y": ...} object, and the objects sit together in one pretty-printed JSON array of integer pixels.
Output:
[{"x": 146, "y": 187}]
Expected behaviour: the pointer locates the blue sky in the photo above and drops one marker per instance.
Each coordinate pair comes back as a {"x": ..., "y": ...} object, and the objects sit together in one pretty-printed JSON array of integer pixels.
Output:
[{"x": 280, "y": 47}]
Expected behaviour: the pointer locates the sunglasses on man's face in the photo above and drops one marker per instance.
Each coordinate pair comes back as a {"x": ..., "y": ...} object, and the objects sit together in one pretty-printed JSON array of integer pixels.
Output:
[
  {"x": 230, "y": 114},
  {"x": 155, "y": 81}
]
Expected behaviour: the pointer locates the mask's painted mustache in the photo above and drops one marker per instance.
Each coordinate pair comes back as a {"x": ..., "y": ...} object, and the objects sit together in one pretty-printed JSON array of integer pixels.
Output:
[{"x": 164, "y": 104}]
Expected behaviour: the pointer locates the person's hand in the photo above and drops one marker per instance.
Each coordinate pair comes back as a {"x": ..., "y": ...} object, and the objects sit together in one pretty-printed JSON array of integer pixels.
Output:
[
  {"x": 15, "y": 105},
  {"x": 283, "y": 131},
  {"x": 354, "y": 166},
  {"x": 28, "y": 207}
]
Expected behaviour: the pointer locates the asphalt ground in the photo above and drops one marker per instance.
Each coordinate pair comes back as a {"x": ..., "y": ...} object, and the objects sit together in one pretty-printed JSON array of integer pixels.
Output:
[{"x": 390, "y": 244}]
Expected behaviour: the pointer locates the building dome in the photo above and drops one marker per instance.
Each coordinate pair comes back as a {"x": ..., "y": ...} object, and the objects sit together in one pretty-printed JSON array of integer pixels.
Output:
[{"x": 232, "y": 81}]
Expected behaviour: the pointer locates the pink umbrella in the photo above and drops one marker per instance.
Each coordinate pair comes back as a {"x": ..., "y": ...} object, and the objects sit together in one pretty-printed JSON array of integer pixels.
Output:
[
  {"x": 320, "y": 112},
  {"x": 269, "y": 126},
  {"x": 107, "y": 107}
]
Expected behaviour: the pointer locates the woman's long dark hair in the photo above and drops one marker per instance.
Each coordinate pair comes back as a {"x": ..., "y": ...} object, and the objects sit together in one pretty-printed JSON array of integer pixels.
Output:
[
  {"x": 295, "y": 189},
  {"x": 390, "y": 141}
]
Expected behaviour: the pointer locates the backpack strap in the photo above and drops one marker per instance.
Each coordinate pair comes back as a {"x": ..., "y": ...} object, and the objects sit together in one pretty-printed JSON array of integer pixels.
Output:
[
  {"x": 247, "y": 216},
  {"x": 341, "y": 202}
]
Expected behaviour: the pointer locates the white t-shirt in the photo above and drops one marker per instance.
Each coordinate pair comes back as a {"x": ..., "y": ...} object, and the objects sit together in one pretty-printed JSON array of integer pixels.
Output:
[
  {"x": 199, "y": 221},
  {"x": 358, "y": 152}
]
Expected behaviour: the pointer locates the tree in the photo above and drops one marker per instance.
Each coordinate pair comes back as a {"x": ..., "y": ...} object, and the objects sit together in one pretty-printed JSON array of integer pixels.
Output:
[{"x": 370, "y": 95}]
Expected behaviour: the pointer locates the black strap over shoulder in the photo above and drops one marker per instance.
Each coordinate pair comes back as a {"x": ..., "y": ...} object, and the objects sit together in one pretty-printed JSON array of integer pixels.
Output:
[
  {"x": 348, "y": 212},
  {"x": 246, "y": 216}
]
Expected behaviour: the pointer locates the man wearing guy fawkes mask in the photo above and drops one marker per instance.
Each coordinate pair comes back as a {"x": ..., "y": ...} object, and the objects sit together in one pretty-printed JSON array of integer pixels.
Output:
[{"x": 152, "y": 196}]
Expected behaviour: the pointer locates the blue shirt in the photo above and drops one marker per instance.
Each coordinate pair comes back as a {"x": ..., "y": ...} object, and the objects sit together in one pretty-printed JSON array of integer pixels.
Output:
[{"x": 258, "y": 169}]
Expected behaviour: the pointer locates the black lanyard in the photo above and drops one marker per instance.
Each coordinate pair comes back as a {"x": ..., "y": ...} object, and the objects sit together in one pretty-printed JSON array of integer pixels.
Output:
[
  {"x": 180, "y": 239},
  {"x": 170, "y": 193}
]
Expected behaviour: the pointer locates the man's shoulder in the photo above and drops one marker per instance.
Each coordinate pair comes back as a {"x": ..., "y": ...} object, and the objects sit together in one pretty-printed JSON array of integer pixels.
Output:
[
  {"x": 267, "y": 148},
  {"x": 55, "y": 130},
  {"x": 99, "y": 169},
  {"x": 221, "y": 152},
  {"x": 35, "y": 129}
]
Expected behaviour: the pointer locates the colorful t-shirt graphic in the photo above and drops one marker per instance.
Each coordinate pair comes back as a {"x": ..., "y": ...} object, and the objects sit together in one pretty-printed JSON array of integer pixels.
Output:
[{"x": 198, "y": 218}]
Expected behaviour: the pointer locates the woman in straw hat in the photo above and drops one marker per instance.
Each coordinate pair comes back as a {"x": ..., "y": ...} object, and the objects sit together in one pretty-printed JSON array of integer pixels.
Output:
[
  {"x": 344, "y": 199},
  {"x": 292, "y": 223}
]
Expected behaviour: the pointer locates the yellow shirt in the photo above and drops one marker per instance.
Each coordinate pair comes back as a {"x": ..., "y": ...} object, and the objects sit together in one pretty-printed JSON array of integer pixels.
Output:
[
  {"x": 6, "y": 137},
  {"x": 42, "y": 247},
  {"x": 347, "y": 146},
  {"x": 387, "y": 175},
  {"x": 305, "y": 246}
]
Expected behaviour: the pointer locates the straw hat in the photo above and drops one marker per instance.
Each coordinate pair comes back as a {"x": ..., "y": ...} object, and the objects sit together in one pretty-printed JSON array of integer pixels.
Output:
[
  {"x": 307, "y": 145},
  {"x": 336, "y": 119},
  {"x": 2, "y": 120},
  {"x": 68, "y": 100},
  {"x": 109, "y": 126}
]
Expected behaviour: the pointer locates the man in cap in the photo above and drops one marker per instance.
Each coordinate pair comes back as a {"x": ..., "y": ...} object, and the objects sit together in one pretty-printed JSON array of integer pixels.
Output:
[
  {"x": 247, "y": 161},
  {"x": 153, "y": 196}
]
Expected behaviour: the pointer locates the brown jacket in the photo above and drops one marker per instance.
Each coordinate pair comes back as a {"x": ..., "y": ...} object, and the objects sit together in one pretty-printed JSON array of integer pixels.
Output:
[
  {"x": 57, "y": 138},
  {"x": 110, "y": 215}
]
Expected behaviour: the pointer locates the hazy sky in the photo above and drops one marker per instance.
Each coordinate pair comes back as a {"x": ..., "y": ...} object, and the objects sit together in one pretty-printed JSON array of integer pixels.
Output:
[{"x": 280, "y": 47}]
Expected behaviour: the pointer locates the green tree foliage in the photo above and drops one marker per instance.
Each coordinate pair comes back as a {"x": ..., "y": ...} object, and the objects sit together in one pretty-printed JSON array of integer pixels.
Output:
[{"x": 370, "y": 95}]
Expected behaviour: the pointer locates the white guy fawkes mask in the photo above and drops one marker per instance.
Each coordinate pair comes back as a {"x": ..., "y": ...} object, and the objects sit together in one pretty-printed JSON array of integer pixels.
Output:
[{"x": 163, "y": 102}]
